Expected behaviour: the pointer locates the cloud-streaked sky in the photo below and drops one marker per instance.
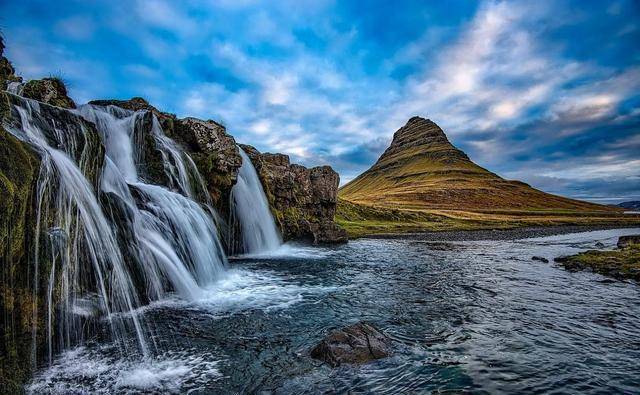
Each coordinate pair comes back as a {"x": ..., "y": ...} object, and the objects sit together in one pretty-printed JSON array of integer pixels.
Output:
[{"x": 547, "y": 92}]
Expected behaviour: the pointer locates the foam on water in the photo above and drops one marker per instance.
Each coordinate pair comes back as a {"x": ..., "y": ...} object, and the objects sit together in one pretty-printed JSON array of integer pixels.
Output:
[
  {"x": 87, "y": 370},
  {"x": 289, "y": 251}
]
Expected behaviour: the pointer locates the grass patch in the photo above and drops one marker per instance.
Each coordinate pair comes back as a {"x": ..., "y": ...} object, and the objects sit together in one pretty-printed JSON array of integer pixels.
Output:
[
  {"x": 361, "y": 220},
  {"x": 623, "y": 263}
]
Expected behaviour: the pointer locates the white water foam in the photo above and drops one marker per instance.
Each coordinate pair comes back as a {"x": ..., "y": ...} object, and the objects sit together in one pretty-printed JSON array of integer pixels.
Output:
[
  {"x": 85, "y": 370},
  {"x": 289, "y": 251}
]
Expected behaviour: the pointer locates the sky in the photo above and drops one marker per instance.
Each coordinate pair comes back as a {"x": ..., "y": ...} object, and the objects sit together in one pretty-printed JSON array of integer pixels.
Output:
[{"x": 547, "y": 92}]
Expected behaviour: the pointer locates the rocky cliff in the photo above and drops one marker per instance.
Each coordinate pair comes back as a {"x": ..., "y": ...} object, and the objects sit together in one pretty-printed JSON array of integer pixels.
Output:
[
  {"x": 22, "y": 293},
  {"x": 7, "y": 72},
  {"x": 303, "y": 200},
  {"x": 19, "y": 166}
]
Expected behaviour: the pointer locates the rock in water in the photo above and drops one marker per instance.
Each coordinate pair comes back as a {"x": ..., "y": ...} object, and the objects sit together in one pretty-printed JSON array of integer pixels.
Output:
[
  {"x": 357, "y": 343},
  {"x": 625, "y": 241},
  {"x": 539, "y": 258}
]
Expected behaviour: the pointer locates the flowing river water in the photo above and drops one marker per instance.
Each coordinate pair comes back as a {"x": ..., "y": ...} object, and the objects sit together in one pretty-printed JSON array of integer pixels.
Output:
[{"x": 474, "y": 316}]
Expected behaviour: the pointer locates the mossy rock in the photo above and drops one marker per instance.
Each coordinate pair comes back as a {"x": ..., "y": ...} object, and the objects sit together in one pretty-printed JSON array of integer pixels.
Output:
[
  {"x": 48, "y": 90},
  {"x": 18, "y": 170},
  {"x": 19, "y": 167},
  {"x": 621, "y": 264}
]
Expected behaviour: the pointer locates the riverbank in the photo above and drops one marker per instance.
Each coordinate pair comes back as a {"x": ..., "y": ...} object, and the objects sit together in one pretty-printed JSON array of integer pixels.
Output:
[
  {"x": 373, "y": 221},
  {"x": 622, "y": 263},
  {"x": 495, "y": 234}
]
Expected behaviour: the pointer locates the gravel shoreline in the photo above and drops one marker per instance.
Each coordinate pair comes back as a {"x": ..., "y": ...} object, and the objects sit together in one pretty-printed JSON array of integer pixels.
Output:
[{"x": 497, "y": 234}]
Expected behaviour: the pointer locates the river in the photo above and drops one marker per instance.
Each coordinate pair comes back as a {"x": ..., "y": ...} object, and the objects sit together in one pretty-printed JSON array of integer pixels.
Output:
[{"x": 476, "y": 316}]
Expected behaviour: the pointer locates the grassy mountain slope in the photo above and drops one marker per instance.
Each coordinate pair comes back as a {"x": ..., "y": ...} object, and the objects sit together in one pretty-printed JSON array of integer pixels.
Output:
[
  {"x": 423, "y": 182},
  {"x": 422, "y": 169}
]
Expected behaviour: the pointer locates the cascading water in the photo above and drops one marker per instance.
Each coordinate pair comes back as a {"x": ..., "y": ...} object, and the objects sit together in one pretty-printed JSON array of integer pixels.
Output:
[
  {"x": 250, "y": 212},
  {"x": 86, "y": 264},
  {"x": 175, "y": 239},
  {"x": 111, "y": 246}
]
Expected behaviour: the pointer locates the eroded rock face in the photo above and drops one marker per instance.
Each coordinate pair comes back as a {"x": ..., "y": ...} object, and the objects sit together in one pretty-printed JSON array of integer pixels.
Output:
[
  {"x": 354, "y": 344},
  {"x": 303, "y": 200},
  {"x": 19, "y": 167},
  {"x": 7, "y": 72},
  {"x": 214, "y": 152},
  {"x": 48, "y": 90}
]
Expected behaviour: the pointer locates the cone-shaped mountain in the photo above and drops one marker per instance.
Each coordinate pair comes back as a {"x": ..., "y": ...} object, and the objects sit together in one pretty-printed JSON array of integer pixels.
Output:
[{"x": 421, "y": 169}]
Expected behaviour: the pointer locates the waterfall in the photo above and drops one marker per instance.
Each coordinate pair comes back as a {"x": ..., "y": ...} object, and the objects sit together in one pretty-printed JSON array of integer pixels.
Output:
[
  {"x": 250, "y": 211},
  {"x": 85, "y": 260},
  {"x": 175, "y": 239},
  {"x": 108, "y": 239}
]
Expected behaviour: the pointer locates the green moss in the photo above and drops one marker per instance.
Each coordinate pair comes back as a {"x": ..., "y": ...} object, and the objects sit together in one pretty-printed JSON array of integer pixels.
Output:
[
  {"x": 50, "y": 90},
  {"x": 361, "y": 219},
  {"x": 5, "y": 106},
  {"x": 18, "y": 174},
  {"x": 218, "y": 183},
  {"x": 18, "y": 169},
  {"x": 622, "y": 263}
]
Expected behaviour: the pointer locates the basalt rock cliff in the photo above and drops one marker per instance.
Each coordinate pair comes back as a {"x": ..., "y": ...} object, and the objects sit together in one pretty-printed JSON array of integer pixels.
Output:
[{"x": 302, "y": 200}]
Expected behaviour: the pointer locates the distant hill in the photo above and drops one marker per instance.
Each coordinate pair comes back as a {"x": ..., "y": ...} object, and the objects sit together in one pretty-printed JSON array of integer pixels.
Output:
[
  {"x": 632, "y": 205},
  {"x": 421, "y": 169}
]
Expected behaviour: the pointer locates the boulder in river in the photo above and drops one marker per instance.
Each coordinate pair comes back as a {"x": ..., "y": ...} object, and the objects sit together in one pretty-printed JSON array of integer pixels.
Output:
[
  {"x": 539, "y": 258},
  {"x": 358, "y": 343}
]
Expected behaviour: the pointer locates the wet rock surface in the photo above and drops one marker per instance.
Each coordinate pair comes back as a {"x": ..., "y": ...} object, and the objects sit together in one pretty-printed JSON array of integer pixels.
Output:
[
  {"x": 539, "y": 258},
  {"x": 355, "y": 344},
  {"x": 303, "y": 200}
]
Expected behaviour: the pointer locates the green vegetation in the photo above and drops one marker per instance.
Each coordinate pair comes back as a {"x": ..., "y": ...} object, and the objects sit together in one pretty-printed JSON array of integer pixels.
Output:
[
  {"x": 361, "y": 220},
  {"x": 422, "y": 170},
  {"x": 18, "y": 173},
  {"x": 622, "y": 263},
  {"x": 423, "y": 183}
]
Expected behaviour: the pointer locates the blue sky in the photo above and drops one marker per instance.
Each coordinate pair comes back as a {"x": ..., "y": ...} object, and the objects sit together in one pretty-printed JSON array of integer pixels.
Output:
[{"x": 544, "y": 92}]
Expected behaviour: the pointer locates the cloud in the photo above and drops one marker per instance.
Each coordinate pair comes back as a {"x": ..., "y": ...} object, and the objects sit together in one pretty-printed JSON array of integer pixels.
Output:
[{"x": 525, "y": 88}]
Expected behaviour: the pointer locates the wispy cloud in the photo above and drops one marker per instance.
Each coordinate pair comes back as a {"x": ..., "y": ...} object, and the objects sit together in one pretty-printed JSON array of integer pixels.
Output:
[{"x": 526, "y": 88}]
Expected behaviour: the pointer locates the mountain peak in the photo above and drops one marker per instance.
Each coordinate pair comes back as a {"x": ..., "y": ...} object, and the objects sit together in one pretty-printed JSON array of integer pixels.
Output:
[
  {"x": 421, "y": 169},
  {"x": 421, "y": 130},
  {"x": 420, "y": 136}
]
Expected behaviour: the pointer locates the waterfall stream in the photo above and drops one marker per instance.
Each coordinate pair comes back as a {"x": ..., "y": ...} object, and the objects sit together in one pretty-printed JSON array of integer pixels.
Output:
[
  {"x": 250, "y": 209},
  {"x": 106, "y": 249},
  {"x": 86, "y": 263}
]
